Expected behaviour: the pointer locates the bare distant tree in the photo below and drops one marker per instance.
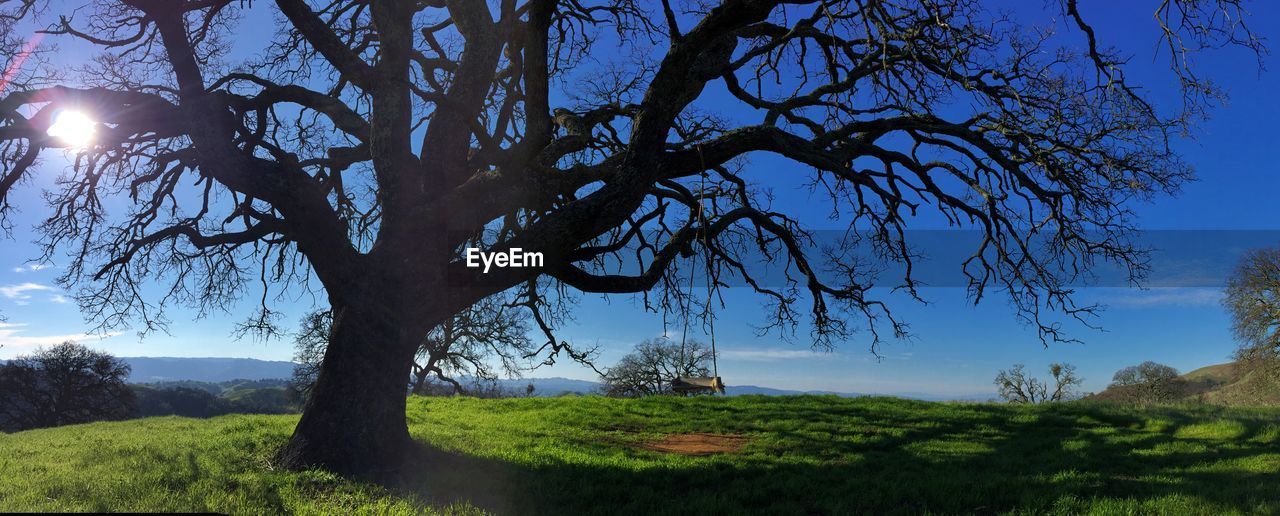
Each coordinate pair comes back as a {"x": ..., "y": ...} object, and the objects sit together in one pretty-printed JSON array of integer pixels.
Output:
[
  {"x": 310, "y": 344},
  {"x": 1015, "y": 386},
  {"x": 487, "y": 334},
  {"x": 486, "y": 341},
  {"x": 651, "y": 367},
  {"x": 371, "y": 143},
  {"x": 1253, "y": 300},
  {"x": 63, "y": 385}
]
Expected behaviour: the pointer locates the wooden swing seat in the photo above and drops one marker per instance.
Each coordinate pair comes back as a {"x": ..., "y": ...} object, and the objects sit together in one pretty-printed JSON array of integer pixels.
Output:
[{"x": 698, "y": 384}]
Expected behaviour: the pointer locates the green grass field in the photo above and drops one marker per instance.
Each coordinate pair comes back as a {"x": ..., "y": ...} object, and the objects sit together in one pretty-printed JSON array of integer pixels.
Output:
[{"x": 809, "y": 454}]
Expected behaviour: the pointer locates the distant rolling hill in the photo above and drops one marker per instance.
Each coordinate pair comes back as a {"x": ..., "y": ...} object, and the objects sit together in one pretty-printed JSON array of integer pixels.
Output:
[
  {"x": 1219, "y": 384},
  {"x": 1218, "y": 374},
  {"x": 740, "y": 390},
  {"x": 1260, "y": 387},
  {"x": 543, "y": 387},
  {"x": 215, "y": 370},
  {"x": 167, "y": 369},
  {"x": 559, "y": 386}
]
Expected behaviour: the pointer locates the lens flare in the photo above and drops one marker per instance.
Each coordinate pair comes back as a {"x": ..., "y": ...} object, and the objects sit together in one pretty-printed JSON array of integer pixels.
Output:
[{"x": 73, "y": 128}]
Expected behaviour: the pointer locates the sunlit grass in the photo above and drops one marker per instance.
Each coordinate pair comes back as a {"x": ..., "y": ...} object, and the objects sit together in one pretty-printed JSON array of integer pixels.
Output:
[
  {"x": 578, "y": 455},
  {"x": 1221, "y": 430}
]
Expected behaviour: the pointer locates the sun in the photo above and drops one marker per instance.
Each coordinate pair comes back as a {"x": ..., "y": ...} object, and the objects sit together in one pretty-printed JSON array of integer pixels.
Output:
[{"x": 73, "y": 128}]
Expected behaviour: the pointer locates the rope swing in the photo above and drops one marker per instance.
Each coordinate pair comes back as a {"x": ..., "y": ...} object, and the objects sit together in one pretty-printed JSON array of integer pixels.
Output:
[{"x": 696, "y": 384}]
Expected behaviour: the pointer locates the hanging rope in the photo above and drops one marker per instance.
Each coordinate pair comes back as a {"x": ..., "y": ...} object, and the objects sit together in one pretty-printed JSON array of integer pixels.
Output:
[
  {"x": 688, "y": 301},
  {"x": 715, "y": 385},
  {"x": 706, "y": 246}
]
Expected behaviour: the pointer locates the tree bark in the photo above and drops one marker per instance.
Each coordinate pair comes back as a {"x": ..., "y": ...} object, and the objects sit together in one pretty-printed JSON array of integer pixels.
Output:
[{"x": 354, "y": 420}]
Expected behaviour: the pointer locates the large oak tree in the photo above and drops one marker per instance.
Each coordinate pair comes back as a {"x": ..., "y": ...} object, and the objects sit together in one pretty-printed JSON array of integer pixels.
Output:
[{"x": 372, "y": 141}]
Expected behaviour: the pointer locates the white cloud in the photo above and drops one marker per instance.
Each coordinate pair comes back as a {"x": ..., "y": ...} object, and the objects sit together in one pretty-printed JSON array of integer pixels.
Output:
[
  {"x": 35, "y": 267},
  {"x": 11, "y": 338},
  {"x": 1156, "y": 297},
  {"x": 773, "y": 355},
  {"x": 20, "y": 292},
  {"x": 59, "y": 298}
]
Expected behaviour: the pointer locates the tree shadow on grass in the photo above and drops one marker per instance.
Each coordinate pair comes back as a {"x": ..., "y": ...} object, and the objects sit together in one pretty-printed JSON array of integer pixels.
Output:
[
  {"x": 445, "y": 478},
  {"x": 982, "y": 459}
]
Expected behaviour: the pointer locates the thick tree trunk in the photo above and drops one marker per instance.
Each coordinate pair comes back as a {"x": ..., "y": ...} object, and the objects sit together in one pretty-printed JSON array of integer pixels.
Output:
[{"x": 354, "y": 420}]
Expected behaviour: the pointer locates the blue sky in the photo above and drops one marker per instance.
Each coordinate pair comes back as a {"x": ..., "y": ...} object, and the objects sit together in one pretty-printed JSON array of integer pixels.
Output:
[{"x": 957, "y": 348}]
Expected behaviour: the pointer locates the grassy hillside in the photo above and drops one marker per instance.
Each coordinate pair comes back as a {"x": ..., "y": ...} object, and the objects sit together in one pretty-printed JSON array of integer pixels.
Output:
[
  {"x": 1217, "y": 374},
  {"x": 1260, "y": 387},
  {"x": 1216, "y": 384},
  {"x": 808, "y": 454}
]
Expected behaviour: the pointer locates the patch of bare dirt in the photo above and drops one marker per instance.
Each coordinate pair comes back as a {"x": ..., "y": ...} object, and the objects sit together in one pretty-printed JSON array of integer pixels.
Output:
[{"x": 697, "y": 444}]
